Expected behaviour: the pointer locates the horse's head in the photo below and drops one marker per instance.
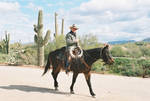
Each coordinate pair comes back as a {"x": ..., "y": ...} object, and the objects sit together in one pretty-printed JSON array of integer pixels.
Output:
[{"x": 106, "y": 56}]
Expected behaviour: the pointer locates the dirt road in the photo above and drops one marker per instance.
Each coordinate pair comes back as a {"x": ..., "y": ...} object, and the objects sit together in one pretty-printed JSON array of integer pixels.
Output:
[{"x": 27, "y": 84}]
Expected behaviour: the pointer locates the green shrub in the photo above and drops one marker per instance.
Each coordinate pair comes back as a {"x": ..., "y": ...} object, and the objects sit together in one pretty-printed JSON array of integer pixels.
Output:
[
  {"x": 99, "y": 67},
  {"x": 127, "y": 67},
  {"x": 145, "y": 65},
  {"x": 117, "y": 51},
  {"x": 145, "y": 51},
  {"x": 3, "y": 58},
  {"x": 20, "y": 55}
]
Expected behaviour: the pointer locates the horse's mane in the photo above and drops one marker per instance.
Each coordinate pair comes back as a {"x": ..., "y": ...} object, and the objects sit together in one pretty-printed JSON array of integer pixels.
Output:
[{"x": 92, "y": 50}]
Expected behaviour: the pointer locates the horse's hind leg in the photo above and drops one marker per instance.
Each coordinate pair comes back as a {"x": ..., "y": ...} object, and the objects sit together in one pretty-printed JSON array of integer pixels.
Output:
[
  {"x": 73, "y": 82},
  {"x": 55, "y": 74}
]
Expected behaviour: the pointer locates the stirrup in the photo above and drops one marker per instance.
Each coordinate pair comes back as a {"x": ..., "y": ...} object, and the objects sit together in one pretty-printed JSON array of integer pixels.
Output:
[{"x": 67, "y": 71}]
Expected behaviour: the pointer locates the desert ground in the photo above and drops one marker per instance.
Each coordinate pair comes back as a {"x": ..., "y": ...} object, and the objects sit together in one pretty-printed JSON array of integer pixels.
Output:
[{"x": 27, "y": 84}]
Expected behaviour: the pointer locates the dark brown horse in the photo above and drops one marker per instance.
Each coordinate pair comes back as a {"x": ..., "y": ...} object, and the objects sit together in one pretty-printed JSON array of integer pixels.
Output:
[{"x": 77, "y": 66}]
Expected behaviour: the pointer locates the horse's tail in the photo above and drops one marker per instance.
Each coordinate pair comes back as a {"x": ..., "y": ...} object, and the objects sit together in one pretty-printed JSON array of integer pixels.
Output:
[{"x": 48, "y": 65}]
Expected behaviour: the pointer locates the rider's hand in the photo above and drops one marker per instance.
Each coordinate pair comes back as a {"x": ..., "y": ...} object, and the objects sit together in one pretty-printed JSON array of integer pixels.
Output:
[{"x": 77, "y": 40}]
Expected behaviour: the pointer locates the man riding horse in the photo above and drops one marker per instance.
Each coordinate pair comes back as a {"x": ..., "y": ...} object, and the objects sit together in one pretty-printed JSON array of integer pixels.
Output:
[
  {"x": 82, "y": 62},
  {"x": 71, "y": 42}
]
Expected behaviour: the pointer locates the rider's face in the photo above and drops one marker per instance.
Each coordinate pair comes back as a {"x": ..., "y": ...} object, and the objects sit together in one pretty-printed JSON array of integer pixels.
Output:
[{"x": 73, "y": 29}]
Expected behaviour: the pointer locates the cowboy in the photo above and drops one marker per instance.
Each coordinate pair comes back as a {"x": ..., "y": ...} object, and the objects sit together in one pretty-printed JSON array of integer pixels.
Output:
[{"x": 71, "y": 41}]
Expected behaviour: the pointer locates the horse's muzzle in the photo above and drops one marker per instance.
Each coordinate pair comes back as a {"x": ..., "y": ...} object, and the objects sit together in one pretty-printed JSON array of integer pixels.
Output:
[{"x": 111, "y": 61}]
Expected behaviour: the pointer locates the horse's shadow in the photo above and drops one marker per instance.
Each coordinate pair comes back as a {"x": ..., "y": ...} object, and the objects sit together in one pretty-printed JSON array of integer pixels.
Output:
[{"x": 27, "y": 88}]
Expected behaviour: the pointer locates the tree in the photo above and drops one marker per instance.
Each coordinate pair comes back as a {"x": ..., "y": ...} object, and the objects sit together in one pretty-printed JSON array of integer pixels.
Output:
[{"x": 89, "y": 41}]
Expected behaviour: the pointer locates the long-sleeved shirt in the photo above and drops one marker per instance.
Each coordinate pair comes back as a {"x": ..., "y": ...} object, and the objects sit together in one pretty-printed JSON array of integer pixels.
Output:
[{"x": 71, "y": 39}]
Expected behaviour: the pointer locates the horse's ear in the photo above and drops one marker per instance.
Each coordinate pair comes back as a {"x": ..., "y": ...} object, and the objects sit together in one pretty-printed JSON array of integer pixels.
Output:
[{"x": 106, "y": 45}]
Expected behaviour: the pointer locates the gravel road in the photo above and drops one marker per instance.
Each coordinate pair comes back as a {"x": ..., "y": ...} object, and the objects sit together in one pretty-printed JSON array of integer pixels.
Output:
[{"x": 27, "y": 84}]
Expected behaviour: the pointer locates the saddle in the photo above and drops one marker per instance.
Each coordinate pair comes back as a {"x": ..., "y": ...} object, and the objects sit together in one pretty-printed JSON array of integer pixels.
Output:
[{"x": 76, "y": 52}]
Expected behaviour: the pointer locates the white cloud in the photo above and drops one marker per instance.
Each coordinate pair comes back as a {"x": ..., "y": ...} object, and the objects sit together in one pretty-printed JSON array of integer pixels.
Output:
[
  {"x": 4, "y": 6},
  {"x": 112, "y": 19},
  {"x": 49, "y": 5},
  {"x": 108, "y": 19},
  {"x": 15, "y": 22},
  {"x": 34, "y": 7},
  {"x": 60, "y": 4},
  {"x": 96, "y": 6}
]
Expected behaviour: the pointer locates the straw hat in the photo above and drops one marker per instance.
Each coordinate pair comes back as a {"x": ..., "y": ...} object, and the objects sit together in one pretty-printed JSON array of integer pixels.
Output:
[{"x": 74, "y": 26}]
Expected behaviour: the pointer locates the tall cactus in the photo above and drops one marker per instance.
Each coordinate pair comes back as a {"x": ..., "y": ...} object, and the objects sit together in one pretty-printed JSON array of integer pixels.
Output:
[
  {"x": 39, "y": 40},
  {"x": 6, "y": 41},
  {"x": 56, "y": 25},
  {"x": 62, "y": 27}
]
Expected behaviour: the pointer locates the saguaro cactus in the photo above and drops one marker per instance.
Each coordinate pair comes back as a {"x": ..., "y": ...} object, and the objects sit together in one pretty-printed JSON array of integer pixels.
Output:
[
  {"x": 62, "y": 27},
  {"x": 56, "y": 25},
  {"x": 6, "y": 41},
  {"x": 39, "y": 40}
]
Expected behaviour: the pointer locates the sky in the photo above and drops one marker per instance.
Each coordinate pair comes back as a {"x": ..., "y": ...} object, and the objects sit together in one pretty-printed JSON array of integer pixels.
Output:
[{"x": 109, "y": 20}]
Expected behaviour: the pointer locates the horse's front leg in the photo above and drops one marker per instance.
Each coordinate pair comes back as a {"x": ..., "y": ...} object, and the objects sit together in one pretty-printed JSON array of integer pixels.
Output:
[
  {"x": 73, "y": 82},
  {"x": 88, "y": 80}
]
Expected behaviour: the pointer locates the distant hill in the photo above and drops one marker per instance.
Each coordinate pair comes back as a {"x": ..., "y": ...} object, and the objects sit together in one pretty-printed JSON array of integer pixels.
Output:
[
  {"x": 146, "y": 40},
  {"x": 121, "y": 42}
]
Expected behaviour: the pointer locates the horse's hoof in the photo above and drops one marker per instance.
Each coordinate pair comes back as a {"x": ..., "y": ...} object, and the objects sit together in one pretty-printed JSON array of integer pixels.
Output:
[
  {"x": 93, "y": 95},
  {"x": 72, "y": 92},
  {"x": 56, "y": 88}
]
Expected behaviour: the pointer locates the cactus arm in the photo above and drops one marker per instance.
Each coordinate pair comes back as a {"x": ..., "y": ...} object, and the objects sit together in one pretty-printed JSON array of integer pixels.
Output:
[
  {"x": 35, "y": 28},
  {"x": 8, "y": 38},
  {"x": 6, "y": 42},
  {"x": 46, "y": 38},
  {"x": 35, "y": 39},
  {"x": 40, "y": 17},
  {"x": 62, "y": 27}
]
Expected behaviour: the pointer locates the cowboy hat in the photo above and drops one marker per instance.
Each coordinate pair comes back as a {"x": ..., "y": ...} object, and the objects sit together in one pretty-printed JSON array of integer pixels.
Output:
[{"x": 74, "y": 26}]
